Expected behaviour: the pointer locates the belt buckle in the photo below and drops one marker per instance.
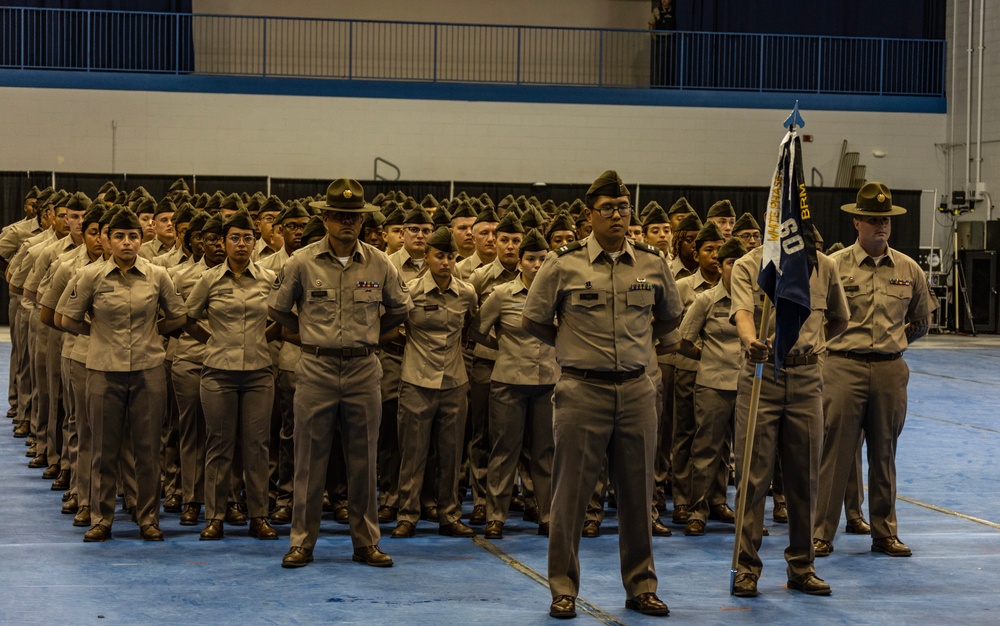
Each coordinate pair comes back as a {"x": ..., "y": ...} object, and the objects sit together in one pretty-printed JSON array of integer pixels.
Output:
[{"x": 315, "y": 351}]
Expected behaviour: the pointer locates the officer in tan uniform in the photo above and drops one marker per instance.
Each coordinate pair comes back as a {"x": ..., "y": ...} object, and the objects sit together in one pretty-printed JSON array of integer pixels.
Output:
[
  {"x": 237, "y": 383},
  {"x": 126, "y": 385},
  {"x": 708, "y": 337},
  {"x": 865, "y": 375},
  {"x": 434, "y": 388},
  {"x": 338, "y": 286},
  {"x": 789, "y": 420},
  {"x": 520, "y": 395},
  {"x": 613, "y": 299}
]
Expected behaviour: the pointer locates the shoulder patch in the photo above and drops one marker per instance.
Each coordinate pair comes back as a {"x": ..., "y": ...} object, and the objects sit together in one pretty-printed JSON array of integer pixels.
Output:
[
  {"x": 574, "y": 245},
  {"x": 645, "y": 247}
]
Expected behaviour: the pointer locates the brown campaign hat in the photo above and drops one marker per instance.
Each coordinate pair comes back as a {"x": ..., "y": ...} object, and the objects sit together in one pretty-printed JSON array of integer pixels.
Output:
[
  {"x": 874, "y": 200},
  {"x": 746, "y": 222},
  {"x": 722, "y": 208},
  {"x": 681, "y": 206},
  {"x": 608, "y": 184},
  {"x": 732, "y": 249},
  {"x": 690, "y": 223},
  {"x": 346, "y": 195},
  {"x": 442, "y": 240}
]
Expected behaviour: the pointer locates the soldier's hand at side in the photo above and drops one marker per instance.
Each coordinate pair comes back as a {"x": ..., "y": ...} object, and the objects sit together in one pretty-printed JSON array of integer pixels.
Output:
[{"x": 758, "y": 351}]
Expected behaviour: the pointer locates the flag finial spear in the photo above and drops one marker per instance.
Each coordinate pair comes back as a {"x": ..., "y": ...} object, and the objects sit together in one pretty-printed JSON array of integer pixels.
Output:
[{"x": 794, "y": 119}]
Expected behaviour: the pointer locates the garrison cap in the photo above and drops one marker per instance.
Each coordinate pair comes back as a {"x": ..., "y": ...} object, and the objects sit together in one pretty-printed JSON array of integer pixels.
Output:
[
  {"x": 464, "y": 210},
  {"x": 124, "y": 220},
  {"x": 608, "y": 184},
  {"x": 409, "y": 204},
  {"x": 417, "y": 215},
  {"x": 722, "y": 208},
  {"x": 442, "y": 240},
  {"x": 732, "y": 249},
  {"x": 561, "y": 221},
  {"x": 395, "y": 218},
  {"x": 487, "y": 215},
  {"x": 271, "y": 204},
  {"x": 79, "y": 201},
  {"x": 709, "y": 232},
  {"x": 32, "y": 193},
  {"x": 577, "y": 206},
  {"x": 532, "y": 218},
  {"x": 746, "y": 222},
  {"x": 201, "y": 200},
  {"x": 198, "y": 222},
  {"x": 293, "y": 210},
  {"x": 213, "y": 225},
  {"x": 214, "y": 202},
  {"x": 166, "y": 205},
  {"x": 106, "y": 187},
  {"x": 653, "y": 204},
  {"x": 233, "y": 202},
  {"x": 506, "y": 202},
  {"x": 184, "y": 213},
  {"x": 138, "y": 193},
  {"x": 179, "y": 185},
  {"x": 835, "y": 247},
  {"x": 874, "y": 200},
  {"x": 378, "y": 199},
  {"x": 463, "y": 196},
  {"x": 429, "y": 202},
  {"x": 655, "y": 216},
  {"x": 145, "y": 205},
  {"x": 441, "y": 217},
  {"x": 314, "y": 228},
  {"x": 681, "y": 206},
  {"x": 485, "y": 200},
  {"x": 690, "y": 223},
  {"x": 240, "y": 219},
  {"x": 510, "y": 224},
  {"x": 374, "y": 219},
  {"x": 253, "y": 206},
  {"x": 94, "y": 214},
  {"x": 533, "y": 242},
  {"x": 105, "y": 219},
  {"x": 344, "y": 194},
  {"x": 816, "y": 236}
]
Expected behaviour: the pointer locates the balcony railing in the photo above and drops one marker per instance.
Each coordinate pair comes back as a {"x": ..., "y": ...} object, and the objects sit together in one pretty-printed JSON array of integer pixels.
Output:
[{"x": 171, "y": 43}]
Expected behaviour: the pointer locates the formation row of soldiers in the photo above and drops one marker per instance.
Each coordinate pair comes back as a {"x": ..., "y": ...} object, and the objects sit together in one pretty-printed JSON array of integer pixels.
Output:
[{"x": 385, "y": 378}]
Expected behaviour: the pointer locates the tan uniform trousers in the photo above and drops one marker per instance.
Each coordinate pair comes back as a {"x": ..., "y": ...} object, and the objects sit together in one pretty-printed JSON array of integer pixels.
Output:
[
  {"x": 519, "y": 415},
  {"x": 286, "y": 447},
  {"x": 789, "y": 420},
  {"x": 22, "y": 362},
  {"x": 665, "y": 432},
  {"x": 126, "y": 404},
  {"x": 70, "y": 440},
  {"x": 388, "y": 437},
  {"x": 57, "y": 410},
  {"x": 82, "y": 469},
  {"x": 426, "y": 416},
  {"x": 38, "y": 335},
  {"x": 479, "y": 427},
  {"x": 186, "y": 377},
  {"x": 714, "y": 409},
  {"x": 332, "y": 391},
  {"x": 15, "y": 355},
  {"x": 237, "y": 407},
  {"x": 592, "y": 420},
  {"x": 684, "y": 427},
  {"x": 170, "y": 447},
  {"x": 869, "y": 399}
]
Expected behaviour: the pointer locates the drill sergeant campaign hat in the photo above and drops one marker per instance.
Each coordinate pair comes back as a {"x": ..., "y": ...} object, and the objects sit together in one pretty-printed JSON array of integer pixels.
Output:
[
  {"x": 732, "y": 249},
  {"x": 533, "y": 242},
  {"x": 722, "y": 208},
  {"x": 874, "y": 200},
  {"x": 442, "y": 240},
  {"x": 345, "y": 195}
]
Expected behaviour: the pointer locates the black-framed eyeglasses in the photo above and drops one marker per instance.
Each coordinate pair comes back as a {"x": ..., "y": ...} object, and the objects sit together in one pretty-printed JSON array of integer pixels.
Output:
[
  {"x": 416, "y": 230},
  {"x": 607, "y": 210},
  {"x": 235, "y": 239},
  {"x": 292, "y": 226},
  {"x": 753, "y": 236}
]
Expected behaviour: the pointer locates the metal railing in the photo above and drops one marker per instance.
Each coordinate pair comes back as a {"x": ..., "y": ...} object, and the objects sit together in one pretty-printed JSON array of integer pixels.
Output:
[{"x": 117, "y": 41}]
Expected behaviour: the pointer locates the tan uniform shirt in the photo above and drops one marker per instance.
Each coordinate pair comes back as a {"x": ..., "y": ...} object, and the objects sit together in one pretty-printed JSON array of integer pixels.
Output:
[
  {"x": 687, "y": 287},
  {"x": 826, "y": 295},
  {"x": 184, "y": 276},
  {"x": 706, "y": 322},
  {"x": 153, "y": 248},
  {"x": 16, "y": 234},
  {"x": 522, "y": 359},
  {"x": 404, "y": 264},
  {"x": 433, "y": 354},
  {"x": 605, "y": 306},
  {"x": 24, "y": 261},
  {"x": 338, "y": 305},
  {"x": 236, "y": 309},
  {"x": 54, "y": 284},
  {"x": 465, "y": 267},
  {"x": 43, "y": 262},
  {"x": 882, "y": 300},
  {"x": 169, "y": 259},
  {"x": 123, "y": 311},
  {"x": 484, "y": 280}
]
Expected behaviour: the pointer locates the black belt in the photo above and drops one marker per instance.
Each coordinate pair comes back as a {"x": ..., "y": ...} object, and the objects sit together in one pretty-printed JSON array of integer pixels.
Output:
[
  {"x": 346, "y": 353},
  {"x": 392, "y": 348},
  {"x": 867, "y": 357},
  {"x": 603, "y": 376},
  {"x": 795, "y": 361}
]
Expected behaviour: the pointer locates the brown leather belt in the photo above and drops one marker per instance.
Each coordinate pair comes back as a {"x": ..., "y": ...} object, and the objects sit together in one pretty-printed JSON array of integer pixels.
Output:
[
  {"x": 345, "y": 353},
  {"x": 796, "y": 361},
  {"x": 603, "y": 376},
  {"x": 392, "y": 348},
  {"x": 867, "y": 357}
]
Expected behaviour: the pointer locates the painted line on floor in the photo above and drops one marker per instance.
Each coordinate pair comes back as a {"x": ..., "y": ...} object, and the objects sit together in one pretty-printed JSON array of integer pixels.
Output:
[
  {"x": 954, "y": 423},
  {"x": 964, "y": 380},
  {"x": 940, "y": 509},
  {"x": 582, "y": 604}
]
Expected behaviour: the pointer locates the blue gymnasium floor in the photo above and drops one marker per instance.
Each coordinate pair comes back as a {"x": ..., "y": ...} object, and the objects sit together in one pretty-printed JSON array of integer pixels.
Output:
[{"x": 948, "y": 514}]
